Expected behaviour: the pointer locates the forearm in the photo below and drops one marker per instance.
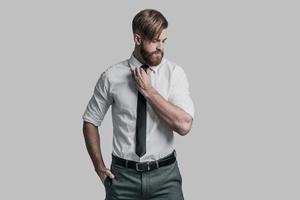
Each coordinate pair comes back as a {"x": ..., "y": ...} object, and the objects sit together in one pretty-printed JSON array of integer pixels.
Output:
[
  {"x": 92, "y": 142},
  {"x": 172, "y": 115}
]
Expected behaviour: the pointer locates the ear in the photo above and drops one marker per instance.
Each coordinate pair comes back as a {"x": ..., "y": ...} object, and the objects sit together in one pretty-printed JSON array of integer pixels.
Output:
[{"x": 137, "y": 39}]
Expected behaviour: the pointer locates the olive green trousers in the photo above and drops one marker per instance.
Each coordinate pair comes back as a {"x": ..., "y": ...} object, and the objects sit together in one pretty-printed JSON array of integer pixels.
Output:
[{"x": 164, "y": 183}]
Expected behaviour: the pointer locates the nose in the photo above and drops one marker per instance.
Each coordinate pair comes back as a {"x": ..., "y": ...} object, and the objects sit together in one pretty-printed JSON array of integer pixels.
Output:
[{"x": 160, "y": 46}]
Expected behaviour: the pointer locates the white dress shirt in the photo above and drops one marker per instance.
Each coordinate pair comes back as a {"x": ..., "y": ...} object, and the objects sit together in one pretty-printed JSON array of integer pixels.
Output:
[{"x": 116, "y": 87}]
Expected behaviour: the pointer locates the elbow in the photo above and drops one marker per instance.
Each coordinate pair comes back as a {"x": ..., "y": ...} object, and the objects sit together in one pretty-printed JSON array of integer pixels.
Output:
[
  {"x": 185, "y": 127},
  {"x": 88, "y": 127}
]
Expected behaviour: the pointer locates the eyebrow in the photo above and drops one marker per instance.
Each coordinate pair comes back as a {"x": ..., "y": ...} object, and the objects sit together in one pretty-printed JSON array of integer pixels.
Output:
[{"x": 159, "y": 39}]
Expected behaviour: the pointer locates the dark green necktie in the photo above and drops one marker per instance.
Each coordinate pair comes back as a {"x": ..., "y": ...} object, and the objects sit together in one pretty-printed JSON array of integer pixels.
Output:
[{"x": 141, "y": 112}]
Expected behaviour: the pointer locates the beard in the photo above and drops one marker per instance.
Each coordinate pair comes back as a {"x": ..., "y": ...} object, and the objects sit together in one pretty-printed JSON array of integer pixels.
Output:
[{"x": 151, "y": 58}]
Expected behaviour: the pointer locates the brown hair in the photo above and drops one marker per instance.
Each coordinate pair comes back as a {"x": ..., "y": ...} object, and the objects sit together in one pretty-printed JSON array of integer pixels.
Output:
[{"x": 149, "y": 23}]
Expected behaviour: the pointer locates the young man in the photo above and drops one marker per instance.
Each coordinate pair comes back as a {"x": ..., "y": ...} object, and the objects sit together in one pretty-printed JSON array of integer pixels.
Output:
[{"x": 150, "y": 99}]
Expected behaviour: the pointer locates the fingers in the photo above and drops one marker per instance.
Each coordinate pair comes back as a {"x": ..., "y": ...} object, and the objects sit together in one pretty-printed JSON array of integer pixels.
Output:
[
  {"x": 133, "y": 74},
  {"x": 137, "y": 72},
  {"x": 137, "y": 76},
  {"x": 108, "y": 173},
  {"x": 140, "y": 77},
  {"x": 104, "y": 174},
  {"x": 143, "y": 71}
]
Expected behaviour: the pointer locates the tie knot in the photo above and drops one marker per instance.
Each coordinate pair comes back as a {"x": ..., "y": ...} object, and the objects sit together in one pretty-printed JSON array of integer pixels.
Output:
[{"x": 144, "y": 66}]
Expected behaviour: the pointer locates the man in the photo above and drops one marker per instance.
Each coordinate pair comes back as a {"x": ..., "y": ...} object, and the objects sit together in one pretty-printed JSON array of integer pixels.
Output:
[{"x": 150, "y": 99}]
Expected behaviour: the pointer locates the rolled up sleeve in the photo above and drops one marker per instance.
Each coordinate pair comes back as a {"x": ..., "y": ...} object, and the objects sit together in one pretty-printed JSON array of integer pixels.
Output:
[
  {"x": 179, "y": 93},
  {"x": 99, "y": 102}
]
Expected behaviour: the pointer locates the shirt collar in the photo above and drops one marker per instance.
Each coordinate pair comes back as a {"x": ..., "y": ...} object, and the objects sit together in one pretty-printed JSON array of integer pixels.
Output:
[{"x": 134, "y": 63}]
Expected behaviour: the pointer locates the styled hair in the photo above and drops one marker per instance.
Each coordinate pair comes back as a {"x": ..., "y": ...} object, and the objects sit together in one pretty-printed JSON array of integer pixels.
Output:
[{"x": 149, "y": 23}]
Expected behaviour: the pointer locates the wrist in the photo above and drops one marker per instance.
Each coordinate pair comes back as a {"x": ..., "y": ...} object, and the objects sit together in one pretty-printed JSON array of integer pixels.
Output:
[
  {"x": 101, "y": 169},
  {"x": 149, "y": 92}
]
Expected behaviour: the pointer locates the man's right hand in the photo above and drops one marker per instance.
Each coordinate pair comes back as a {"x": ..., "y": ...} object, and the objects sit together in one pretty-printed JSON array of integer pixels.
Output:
[{"x": 105, "y": 173}]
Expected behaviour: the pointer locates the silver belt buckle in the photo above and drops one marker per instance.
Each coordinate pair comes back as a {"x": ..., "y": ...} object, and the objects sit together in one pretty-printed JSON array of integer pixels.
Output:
[{"x": 137, "y": 166}]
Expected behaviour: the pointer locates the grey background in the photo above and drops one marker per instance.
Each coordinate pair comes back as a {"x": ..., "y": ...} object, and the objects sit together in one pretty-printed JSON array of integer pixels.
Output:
[{"x": 241, "y": 59}]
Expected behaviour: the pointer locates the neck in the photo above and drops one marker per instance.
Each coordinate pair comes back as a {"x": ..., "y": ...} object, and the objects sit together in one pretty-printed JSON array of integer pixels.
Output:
[{"x": 138, "y": 56}]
